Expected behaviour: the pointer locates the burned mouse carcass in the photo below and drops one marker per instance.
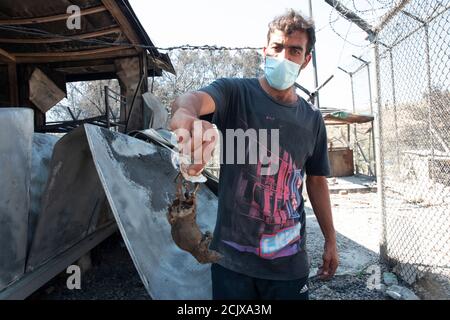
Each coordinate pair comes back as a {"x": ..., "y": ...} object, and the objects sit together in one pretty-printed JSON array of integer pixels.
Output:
[{"x": 184, "y": 229}]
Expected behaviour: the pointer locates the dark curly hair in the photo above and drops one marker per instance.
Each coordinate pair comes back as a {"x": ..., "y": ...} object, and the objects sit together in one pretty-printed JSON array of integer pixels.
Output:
[{"x": 293, "y": 21}]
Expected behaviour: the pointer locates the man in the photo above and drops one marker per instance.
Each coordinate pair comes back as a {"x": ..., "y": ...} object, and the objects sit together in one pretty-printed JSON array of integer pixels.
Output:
[{"x": 260, "y": 227}]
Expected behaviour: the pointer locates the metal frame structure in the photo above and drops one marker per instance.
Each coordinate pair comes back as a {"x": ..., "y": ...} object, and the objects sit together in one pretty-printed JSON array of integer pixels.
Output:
[{"x": 31, "y": 38}]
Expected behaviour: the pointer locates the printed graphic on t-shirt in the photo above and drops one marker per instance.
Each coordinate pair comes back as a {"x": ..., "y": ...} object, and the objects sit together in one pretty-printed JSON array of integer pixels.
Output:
[{"x": 271, "y": 202}]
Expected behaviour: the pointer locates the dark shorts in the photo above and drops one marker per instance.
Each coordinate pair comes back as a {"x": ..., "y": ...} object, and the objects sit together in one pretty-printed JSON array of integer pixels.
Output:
[{"x": 230, "y": 285}]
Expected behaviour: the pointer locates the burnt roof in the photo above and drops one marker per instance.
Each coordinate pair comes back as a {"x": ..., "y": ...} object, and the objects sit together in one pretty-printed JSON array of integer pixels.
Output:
[{"x": 37, "y": 33}]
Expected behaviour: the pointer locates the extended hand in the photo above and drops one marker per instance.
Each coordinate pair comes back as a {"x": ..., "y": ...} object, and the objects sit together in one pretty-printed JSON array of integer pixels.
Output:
[{"x": 196, "y": 140}]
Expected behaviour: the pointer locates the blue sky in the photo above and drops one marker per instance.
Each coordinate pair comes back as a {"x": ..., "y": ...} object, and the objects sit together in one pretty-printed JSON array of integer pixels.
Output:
[{"x": 240, "y": 23}]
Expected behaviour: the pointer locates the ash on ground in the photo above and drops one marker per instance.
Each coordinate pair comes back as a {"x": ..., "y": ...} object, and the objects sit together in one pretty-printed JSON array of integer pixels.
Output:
[{"x": 111, "y": 276}]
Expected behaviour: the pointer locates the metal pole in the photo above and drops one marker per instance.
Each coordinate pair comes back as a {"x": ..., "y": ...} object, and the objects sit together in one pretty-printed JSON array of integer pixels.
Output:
[
  {"x": 107, "y": 107},
  {"x": 380, "y": 156},
  {"x": 371, "y": 112},
  {"x": 348, "y": 135},
  {"x": 355, "y": 142},
  {"x": 352, "y": 17},
  {"x": 390, "y": 14},
  {"x": 371, "y": 149},
  {"x": 314, "y": 60}
]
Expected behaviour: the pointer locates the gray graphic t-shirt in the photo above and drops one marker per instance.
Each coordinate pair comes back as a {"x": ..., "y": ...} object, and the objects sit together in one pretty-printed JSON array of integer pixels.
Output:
[{"x": 261, "y": 220}]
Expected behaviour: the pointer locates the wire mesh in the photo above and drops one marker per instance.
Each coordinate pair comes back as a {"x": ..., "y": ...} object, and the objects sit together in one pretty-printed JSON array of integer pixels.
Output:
[
  {"x": 414, "y": 102},
  {"x": 361, "y": 139}
]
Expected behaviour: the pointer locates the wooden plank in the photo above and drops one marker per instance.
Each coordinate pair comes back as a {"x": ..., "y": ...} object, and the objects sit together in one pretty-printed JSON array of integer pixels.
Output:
[
  {"x": 44, "y": 93},
  {"x": 6, "y": 56},
  {"x": 88, "y": 69},
  {"x": 84, "y": 63},
  {"x": 65, "y": 38},
  {"x": 90, "y": 76},
  {"x": 122, "y": 21},
  {"x": 47, "y": 57},
  {"x": 52, "y": 18}
]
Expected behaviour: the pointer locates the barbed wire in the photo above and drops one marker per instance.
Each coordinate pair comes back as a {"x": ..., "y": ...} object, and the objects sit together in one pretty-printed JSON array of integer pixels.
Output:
[
  {"x": 50, "y": 35},
  {"x": 208, "y": 48},
  {"x": 345, "y": 39},
  {"x": 384, "y": 5}
]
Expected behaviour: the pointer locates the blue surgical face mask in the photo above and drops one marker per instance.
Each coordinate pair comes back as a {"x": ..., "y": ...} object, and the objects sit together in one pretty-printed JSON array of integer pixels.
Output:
[{"x": 281, "y": 73}]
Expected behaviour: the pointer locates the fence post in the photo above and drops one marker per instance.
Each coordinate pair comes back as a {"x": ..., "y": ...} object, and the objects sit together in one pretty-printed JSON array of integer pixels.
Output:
[
  {"x": 355, "y": 137},
  {"x": 379, "y": 154},
  {"x": 107, "y": 107},
  {"x": 373, "y": 161}
]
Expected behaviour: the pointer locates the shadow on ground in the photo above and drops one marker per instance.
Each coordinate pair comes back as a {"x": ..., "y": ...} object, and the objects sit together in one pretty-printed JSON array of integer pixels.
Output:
[{"x": 112, "y": 276}]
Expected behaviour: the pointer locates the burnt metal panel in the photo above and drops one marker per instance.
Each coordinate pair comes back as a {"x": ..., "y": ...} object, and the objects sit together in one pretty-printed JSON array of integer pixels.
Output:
[
  {"x": 16, "y": 134},
  {"x": 138, "y": 179},
  {"x": 72, "y": 200},
  {"x": 43, "y": 145}
]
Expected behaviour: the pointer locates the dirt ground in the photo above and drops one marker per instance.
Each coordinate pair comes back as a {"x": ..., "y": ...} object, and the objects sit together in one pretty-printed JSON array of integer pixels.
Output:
[
  {"x": 111, "y": 277},
  {"x": 114, "y": 277},
  {"x": 357, "y": 226}
]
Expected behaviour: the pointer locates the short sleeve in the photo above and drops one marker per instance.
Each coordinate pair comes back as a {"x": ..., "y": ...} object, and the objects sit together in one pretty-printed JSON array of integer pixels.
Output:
[
  {"x": 318, "y": 164},
  {"x": 220, "y": 91}
]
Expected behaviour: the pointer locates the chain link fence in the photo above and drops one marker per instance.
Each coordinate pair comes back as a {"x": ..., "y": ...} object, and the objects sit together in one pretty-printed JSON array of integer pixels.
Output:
[
  {"x": 360, "y": 137},
  {"x": 413, "y": 88}
]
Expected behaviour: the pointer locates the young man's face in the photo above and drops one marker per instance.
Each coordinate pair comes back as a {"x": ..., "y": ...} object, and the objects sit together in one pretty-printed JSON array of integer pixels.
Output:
[{"x": 291, "y": 47}]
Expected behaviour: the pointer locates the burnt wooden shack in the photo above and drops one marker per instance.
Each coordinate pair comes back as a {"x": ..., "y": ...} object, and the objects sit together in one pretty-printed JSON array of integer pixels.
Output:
[
  {"x": 42, "y": 48},
  {"x": 53, "y": 207}
]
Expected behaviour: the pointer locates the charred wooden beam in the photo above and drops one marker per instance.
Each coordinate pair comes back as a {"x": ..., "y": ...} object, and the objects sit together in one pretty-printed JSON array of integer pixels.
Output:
[
  {"x": 122, "y": 21},
  {"x": 13, "y": 88},
  {"x": 63, "y": 38},
  {"x": 47, "y": 57},
  {"x": 52, "y": 18},
  {"x": 6, "y": 56},
  {"x": 91, "y": 76}
]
